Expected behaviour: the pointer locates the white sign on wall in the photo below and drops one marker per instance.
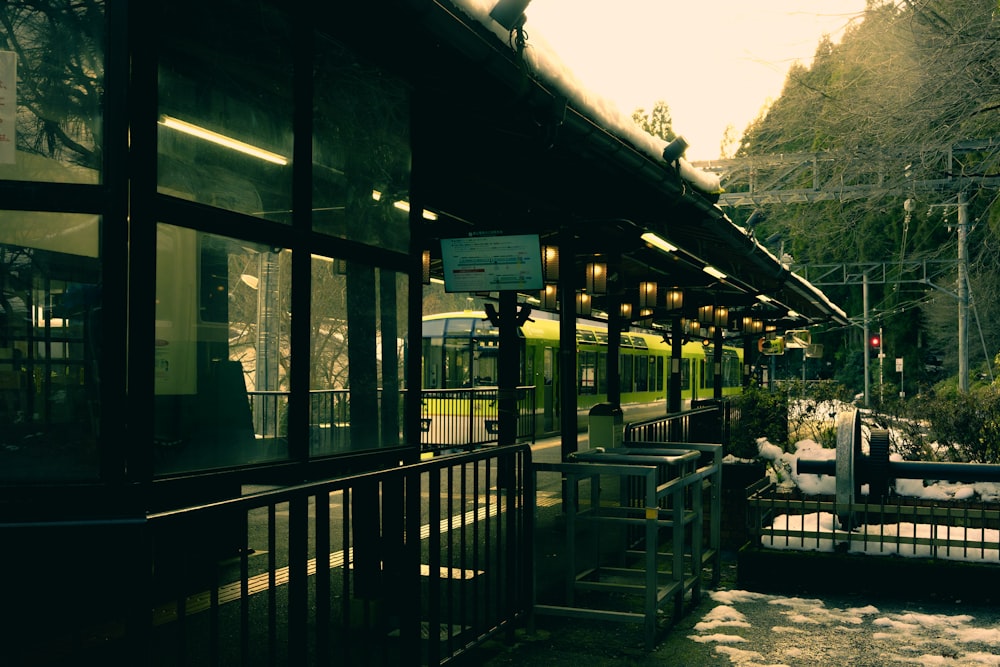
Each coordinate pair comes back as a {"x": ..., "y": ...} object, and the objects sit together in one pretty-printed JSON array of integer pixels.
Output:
[{"x": 8, "y": 105}]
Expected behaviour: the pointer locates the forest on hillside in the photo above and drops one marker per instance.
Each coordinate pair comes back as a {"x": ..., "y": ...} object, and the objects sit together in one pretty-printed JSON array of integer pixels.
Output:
[{"x": 902, "y": 116}]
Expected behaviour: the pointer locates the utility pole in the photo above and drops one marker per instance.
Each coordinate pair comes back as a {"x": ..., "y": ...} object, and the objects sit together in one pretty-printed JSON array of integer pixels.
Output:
[
  {"x": 963, "y": 296},
  {"x": 811, "y": 177},
  {"x": 866, "y": 339}
]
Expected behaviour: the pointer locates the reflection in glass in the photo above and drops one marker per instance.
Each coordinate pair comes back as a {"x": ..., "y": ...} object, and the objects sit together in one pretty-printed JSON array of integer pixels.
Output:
[
  {"x": 51, "y": 91},
  {"x": 50, "y": 305},
  {"x": 361, "y": 150},
  {"x": 222, "y": 351},
  {"x": 357, "y": 315},
  {"x": 225, "y": 124}
]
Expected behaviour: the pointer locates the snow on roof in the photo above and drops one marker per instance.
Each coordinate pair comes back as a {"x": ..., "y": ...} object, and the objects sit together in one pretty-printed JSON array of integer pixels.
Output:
[{"x": 550, "y": 68}]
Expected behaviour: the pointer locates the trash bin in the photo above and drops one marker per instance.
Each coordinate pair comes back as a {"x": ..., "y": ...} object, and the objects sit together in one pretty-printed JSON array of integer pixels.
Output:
[{"x": 606, "y": 426}]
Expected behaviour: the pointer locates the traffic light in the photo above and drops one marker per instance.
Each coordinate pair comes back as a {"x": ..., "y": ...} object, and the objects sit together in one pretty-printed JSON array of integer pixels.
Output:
[{"x": 875, "y": 345}]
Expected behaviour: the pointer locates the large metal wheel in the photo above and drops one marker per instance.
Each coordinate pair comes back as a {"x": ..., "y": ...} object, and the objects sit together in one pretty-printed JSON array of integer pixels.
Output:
[{"x": 848, "y": 451}]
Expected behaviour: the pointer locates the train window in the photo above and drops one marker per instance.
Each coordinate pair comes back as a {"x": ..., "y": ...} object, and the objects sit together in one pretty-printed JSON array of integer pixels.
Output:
[
  {"x": 602, "y": 372},
  {"x": 587, "y": 375},
  {"x": 484, "y": 362},
  {"x": 602, "y": 337},
  {"x": 626, "y": 341},
  {"x": 639, "y": 343},
  {"x": 642, "y": 372},
  {"x": 486, "y": 328},
  {"x": 626, "y": 370},
  {"x": 50, "y": 332},
  {"x": 657, "y": 372},
  {"x": 221, "y": 351},
  {"x": 217, "y": 97},
  {"x": 460, "y": 327},
  {"x": 732, "y": 371},
  {"x": 585, "y": 336},
  {"x": 685, "y": 374},
  {"x": 433, "y": 328}
]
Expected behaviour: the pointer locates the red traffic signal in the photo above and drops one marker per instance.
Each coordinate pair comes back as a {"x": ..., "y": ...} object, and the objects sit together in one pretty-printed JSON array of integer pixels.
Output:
[{"x": 876, "y": 342}]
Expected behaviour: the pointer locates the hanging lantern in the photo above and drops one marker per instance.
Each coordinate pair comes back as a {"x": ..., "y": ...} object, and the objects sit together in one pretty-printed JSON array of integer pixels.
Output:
[
  {"x": 675, "y": 298},
  {"x": 582, "y": 303},
  {"x": 647, "y": 294},
  {"x": 597, "y": 277},
  {"x": 549, "y": 296},
  {"x": 550, "y": 262}
]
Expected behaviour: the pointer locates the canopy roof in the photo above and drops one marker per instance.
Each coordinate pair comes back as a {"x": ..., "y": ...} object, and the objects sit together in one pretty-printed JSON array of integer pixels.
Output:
[{"x": 502, "y": 143}]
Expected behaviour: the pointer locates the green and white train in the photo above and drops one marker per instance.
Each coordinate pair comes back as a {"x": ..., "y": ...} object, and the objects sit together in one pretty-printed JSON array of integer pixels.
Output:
[{"x": 460, "y": 351}]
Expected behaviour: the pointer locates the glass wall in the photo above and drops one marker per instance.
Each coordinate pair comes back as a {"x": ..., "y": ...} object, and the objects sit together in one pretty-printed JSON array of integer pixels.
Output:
[
  {"x": 51, "y": 91},
  {"x": 223, "y": 390},
  {"x": 361, "y": 150},
  {"x": 50, "y": 336},
  {"x": 357, "y": 357},
  {"x": 222, "y": 350},
  {"x": 225, "y": 106}
]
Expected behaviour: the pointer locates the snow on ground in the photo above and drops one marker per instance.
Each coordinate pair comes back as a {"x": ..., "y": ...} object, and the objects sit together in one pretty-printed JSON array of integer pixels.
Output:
[
  {"x": 822, "y": 531},
  {"x": 804, "y": 631},
  {"x": 751, "y": 628}
]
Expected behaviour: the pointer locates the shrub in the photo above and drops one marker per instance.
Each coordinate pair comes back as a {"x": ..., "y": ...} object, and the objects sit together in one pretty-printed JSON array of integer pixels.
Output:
[
  {"x": 966, "y": 424},
  {"x": 763, "y": 413}
]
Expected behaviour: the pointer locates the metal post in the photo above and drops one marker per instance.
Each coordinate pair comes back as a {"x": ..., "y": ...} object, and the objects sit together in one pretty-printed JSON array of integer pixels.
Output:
[
  {"x": 676, "y": 350},
  {"x": 963, "y": 296},
  {"x": 881, "y": 363},
  {"x": 508, "y": 370},
  {"x": 866, "y": 343}
]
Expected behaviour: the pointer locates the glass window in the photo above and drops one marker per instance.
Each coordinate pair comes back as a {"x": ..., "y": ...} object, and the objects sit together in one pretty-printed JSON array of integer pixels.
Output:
[
  {"x": 587, "y": 377},
  {"x": 732, "y": 370},
  {"x": 225, "y": 114},
  {"x": 51, "y": 91},
  {"x": 50, "y": 304},
  {"x": 642, "y": 372},
  {"x": 222, "y": 351},
  {"x": 358, "y": 315},
  {"x": 625, "y": 370},
  {"x": 602, "y": 372},
  {"x": 361, "y": 150}
]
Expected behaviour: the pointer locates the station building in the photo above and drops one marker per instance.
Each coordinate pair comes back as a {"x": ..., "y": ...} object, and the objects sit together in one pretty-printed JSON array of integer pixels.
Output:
[{"x": 218, "y": 219}]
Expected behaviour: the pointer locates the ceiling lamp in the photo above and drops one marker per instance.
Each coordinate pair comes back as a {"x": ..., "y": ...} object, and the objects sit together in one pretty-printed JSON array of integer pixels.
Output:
[
  {"x": 222, "y": 140},
  {"x": 658, "y": 243}
]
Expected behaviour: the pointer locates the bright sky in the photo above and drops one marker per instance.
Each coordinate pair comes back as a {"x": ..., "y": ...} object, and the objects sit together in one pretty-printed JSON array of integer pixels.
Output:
[{"x": 714, "y": 63}]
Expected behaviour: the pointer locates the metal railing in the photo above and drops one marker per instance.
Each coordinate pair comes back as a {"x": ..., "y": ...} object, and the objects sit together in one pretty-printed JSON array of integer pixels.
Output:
[
  {"x": 957, "y": 530},
  {"x": 450, "y": 418},
  {"x": 657, "y": 522},
  {"x": 468, "y": 417},
  {"x": 707, "y": 421},
  {"x": 412, "y": 565}
]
